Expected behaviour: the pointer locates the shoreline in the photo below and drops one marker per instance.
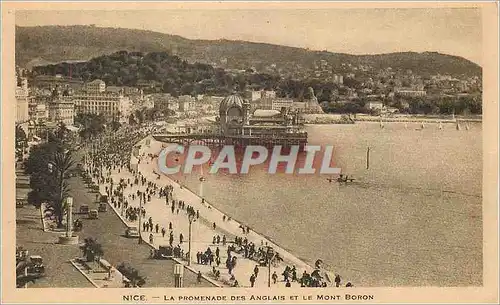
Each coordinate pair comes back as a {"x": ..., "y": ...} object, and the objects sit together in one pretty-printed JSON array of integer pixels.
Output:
[
  {"x": 335, "y": 118},
  {"x": 214, "y": 208},
  {"x": 241, "y": 222},
  {"x": 212, "y": 214}
]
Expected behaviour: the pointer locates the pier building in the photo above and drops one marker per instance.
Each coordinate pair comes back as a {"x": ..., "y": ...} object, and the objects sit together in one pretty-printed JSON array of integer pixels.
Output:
[{"x": 238, "y": 125}]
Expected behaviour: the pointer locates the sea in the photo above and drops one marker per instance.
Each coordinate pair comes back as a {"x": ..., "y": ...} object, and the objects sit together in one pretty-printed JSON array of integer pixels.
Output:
[{"x": 412, "y": 216}]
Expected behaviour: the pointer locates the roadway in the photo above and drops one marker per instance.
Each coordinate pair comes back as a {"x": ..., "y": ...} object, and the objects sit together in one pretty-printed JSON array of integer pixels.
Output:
[{"x": 109, "y": 231}]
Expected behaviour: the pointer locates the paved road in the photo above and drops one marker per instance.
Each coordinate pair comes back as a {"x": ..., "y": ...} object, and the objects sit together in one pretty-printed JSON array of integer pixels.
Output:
[
  {"x": 109, "y": 231},
  {"x": 59, "y": 272}
]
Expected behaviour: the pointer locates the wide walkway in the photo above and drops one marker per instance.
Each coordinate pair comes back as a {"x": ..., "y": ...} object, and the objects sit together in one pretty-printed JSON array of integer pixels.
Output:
[{"x": 203, "y": 231}]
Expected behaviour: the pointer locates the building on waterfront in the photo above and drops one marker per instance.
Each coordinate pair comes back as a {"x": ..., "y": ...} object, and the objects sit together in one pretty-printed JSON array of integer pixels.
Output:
[
  {"x": 236, "y": 119},
  {"x": 114, "y": 106},
  {"x": 262, "y": 94},
  {"x": 186, "y": 103},
  {"x": 279, "y": 103},
  {"x": 374, "y": 105},
  {"x": 62, "y": 110},
  {"x": 22, "y": 100}
]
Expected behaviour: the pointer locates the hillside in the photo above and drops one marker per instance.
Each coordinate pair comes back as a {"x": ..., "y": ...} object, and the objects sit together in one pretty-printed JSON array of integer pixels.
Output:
[{"x": 76, "y": 43}]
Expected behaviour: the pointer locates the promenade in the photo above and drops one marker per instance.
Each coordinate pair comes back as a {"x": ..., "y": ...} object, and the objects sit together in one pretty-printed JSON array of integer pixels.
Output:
[{"x": 209, "y": 224}]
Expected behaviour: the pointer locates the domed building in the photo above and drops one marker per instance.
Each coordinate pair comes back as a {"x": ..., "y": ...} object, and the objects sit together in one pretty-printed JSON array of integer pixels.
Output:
[
  {"x": 262, "y": 127},
  {"x": 233, "y": 114},
  {"x": 237, "y": 125}
]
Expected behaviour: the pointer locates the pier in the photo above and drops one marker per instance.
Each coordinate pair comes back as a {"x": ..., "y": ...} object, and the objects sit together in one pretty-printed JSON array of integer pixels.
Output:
[{"x": 218, "y": 140}]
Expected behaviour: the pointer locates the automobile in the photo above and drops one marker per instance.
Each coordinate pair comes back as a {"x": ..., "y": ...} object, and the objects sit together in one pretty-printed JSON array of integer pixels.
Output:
[
  {"x": 103, "y": 207},
  {"x": 35, "y": 265},
  {"x": 93, "y": 214},
  {"x": 163, "y": 252},
  {"x": 84, "y": 209},
  {"x": 132, "y": 232},
  {"x": 103, "y": 197}
]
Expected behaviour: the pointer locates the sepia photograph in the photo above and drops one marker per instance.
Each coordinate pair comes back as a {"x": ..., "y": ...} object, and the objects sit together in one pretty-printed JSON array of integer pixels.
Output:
[{"x": 250, "y": 152}]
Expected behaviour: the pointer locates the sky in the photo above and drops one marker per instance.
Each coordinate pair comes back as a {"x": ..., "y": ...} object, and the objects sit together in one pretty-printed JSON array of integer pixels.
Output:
[{"x": 455, "y": 31}]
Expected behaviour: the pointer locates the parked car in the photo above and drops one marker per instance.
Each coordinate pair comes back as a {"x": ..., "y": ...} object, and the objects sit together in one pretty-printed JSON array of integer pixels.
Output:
[
  {"x": 93, "y": 214},
  {"x": 103, "y": 207},
  {"x": 132, "y": 232},
  {"x": 84, "y": 209},
  {"x": 35, "y": 266},
  {"x": 163, "y": 252}
]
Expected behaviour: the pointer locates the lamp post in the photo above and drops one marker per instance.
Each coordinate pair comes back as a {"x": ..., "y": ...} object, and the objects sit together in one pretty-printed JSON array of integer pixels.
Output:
[
  {"x": 270, "y": 258},
  {"x": 69, "y": 218},
  {"x": 140, "y": 217},
  {"x": 191, "y": 218}
]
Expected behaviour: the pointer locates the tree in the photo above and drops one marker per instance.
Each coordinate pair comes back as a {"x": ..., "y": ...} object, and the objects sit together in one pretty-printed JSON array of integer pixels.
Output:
[
  {"x": 48, "y": 165},
  {"x": 132, "y": 275},
  {"x": 115, "y": 125},
  {"x": 21, "y": 142},
  {"x": 91, "y": 249},
  {"x": 91, "y": 125}
]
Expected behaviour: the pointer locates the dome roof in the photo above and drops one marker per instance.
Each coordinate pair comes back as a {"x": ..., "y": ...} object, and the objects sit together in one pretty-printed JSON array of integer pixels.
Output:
[{"x": 230, "y": 101}]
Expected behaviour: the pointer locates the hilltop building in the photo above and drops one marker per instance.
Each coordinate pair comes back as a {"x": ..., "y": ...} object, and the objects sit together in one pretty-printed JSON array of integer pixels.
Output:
[{"x": 95, "y": 87}]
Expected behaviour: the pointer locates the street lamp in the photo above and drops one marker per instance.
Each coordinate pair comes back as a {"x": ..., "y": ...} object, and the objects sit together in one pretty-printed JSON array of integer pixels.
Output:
[
  {"x": 270, "y": 258},
  {"x": 69, "y": 217},
  {"x": 191, "y": 218},
  {"x": 140, "y": 217}
]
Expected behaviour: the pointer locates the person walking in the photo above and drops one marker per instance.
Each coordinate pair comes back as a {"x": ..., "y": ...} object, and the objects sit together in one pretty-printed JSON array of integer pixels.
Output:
[
  {"x": 256, "y": 270},
  {"x": 252, "y": 280},
  {"x": 274, "y": 277},
  {"x": 157, "y": 228},
  {"x": 151, "y": 239},
  {"x": 337, "y": 280},
  {"x": 181, "y": 238},
  {"x": 163, "y": 232},
  {"x": 199, "y": 276}
]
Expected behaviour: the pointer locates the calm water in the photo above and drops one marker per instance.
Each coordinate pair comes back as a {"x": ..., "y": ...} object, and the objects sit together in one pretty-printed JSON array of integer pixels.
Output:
[{"x": 413, "y": 219}]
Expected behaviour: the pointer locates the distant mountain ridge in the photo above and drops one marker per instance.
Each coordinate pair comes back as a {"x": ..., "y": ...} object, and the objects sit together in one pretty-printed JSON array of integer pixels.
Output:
[{"x": 52, "y": 44}]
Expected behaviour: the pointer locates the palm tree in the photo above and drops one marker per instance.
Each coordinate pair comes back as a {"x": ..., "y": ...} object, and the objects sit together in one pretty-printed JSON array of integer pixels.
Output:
[
  {"x": 62, "y": 131},
  {"x": 132, "y": 275},
  {"x": 92, "y": 250},
  {"x": 58, "y": 186}
]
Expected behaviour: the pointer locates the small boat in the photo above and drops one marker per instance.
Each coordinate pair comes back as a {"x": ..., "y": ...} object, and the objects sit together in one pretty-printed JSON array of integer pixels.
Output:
[
  {"x": 202, "y": 179},
  {"x": 423, "y": 126},
  {"x": 345, "y": 179},
  {"x": 440, "y": 125}
]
